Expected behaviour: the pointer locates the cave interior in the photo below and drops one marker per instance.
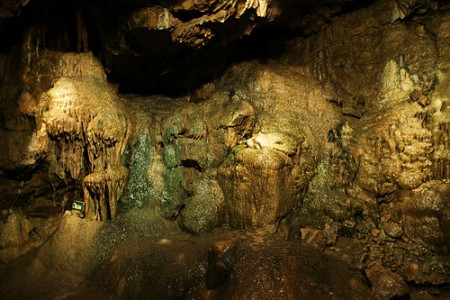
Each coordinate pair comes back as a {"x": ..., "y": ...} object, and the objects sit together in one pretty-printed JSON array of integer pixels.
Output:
[{"x": 225, "y": 149}]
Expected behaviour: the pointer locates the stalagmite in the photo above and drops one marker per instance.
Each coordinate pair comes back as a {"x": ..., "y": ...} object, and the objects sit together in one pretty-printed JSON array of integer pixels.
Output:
[{"x": 101, "y": 192}]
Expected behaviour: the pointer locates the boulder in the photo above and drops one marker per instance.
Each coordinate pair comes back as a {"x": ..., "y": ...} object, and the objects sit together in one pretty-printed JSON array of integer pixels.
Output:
[{"x": 385, "y": 283}]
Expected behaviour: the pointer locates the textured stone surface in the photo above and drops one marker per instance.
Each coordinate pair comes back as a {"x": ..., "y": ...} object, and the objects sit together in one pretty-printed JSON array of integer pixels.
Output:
[
  {"x": 385, "y": 284},
  {"x": 334, "y": 134},
  {"x": 20, "y": 233},
  {"x": 11, "y": 8},
  {"x": 102, "y": 190},
  {"x": 261, "y": 187},
  {"x": 201, "y": 213}
]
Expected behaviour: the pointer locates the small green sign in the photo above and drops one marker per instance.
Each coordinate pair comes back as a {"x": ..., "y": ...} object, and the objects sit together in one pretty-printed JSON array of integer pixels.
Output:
[{"x": 79, "y": 206}]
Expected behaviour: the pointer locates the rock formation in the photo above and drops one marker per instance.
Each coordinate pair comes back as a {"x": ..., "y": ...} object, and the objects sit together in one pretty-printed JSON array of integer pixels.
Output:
[{"x": 225, "y": 149}]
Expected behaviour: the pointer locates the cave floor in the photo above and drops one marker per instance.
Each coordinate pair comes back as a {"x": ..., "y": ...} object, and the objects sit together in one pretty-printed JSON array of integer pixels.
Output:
[
  {"x": 134, "y": 257},
  {"x": 131, "y": 257}
]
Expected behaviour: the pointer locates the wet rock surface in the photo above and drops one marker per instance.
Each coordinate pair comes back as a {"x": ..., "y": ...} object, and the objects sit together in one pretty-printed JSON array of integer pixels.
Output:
[
  {"x": 316, "y": 168},
  {"x": 386, "y": 285},
  {"x": 220, "y": 265}
]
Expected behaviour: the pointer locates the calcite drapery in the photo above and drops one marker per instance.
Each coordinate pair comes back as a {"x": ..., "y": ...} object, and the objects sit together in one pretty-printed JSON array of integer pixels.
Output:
[
  {"x": 199, "y": 30},
  {"x": 102, "y": 190},
  {"x": 261, "y": 186},
  {"x": 440, "y": 128},
  {"x": 88, "y": 130}
]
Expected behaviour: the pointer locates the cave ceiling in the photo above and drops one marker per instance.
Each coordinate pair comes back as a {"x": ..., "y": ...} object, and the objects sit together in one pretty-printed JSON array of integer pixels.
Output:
[{"x": 167, "y": 47}]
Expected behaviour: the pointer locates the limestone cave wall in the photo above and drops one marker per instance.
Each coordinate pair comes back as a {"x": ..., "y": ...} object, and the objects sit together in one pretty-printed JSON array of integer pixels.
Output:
[{"x": 308, "y": 143}]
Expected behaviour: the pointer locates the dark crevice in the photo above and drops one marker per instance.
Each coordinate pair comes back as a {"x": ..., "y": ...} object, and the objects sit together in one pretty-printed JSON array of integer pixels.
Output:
[
  {"x": 187, "y": 15},
  {"x": 352, "y": 6},
  {"x": 190, "y": 163},
  {"x": 176, "y": 69},
  {"x": 175, "y": 215},
  {"x": 24, "y": 173}
]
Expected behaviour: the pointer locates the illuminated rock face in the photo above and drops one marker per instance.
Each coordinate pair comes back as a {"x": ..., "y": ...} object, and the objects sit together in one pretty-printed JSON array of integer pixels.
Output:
[
  {"x": 387, "y": 158},
  {"x": 102, "y": 190},
  {"x": 74, "y": 133},
  {"x": 261, "y": 187},
  {"x": 265, "y": 176},
  {"x": 88, "y": 138},
  {"x": 86, "y": 142},
  {"x": 263, "y": 181},
  {"x": 199, "y": 30},
  {"x": 341, "y": 141}
]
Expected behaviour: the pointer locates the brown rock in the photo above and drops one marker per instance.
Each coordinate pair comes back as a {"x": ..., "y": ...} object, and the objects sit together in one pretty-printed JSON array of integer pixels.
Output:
[
  {"x": 258, "y": 187},
  {"x": 220, "y": 258},
  {"x": 393, "y": 229},
  {"x": 198, "y": 31},
  {"x": 385, "y": 284},
  {"x": 102, "y": 191},
  {"x": 330, "y": 233},
  {"x": 415, "y": 95},
  {"x": 423, "y": 101},
  {"x": 412, "y": 270},
  {"x": 20, "y": 233},
  {"x": 264, "y": 123},
  {"x": 359, "y": 286},
  {"x": 273, "y": 270},
  {"x": 27, "y": 104},
  {"x": 376, "y": 232},
  {"x": 421, "y": 211},
  {"x": 314, "y": 237},
  {"x": 204, "y": 92},
  {"x": 201, "y": 214}
]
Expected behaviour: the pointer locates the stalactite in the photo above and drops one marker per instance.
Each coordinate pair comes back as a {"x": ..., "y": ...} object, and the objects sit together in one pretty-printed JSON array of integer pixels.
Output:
[
  {"x": 105, "y": 141},
  {"x": 89, "y": 138},
  {"x": 441, "y": 145}
]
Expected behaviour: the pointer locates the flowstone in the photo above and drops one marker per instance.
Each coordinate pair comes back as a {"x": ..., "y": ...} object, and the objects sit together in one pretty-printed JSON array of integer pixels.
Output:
[
  {"x": 86, "y": 142},
  {"x": 102, "y": 190},
  {"x": 261, "y": 187}
]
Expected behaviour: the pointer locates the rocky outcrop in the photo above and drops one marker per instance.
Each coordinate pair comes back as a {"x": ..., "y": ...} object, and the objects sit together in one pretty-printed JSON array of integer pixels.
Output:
[
  {"x": 182, "y": 34},
  {"x": 21, "y": 233},
  {"x": 348, "y": 55},
  {"x": 85, "y": 141},
  {"x": 196, "y": 29},
  {"x": 388, "y": 148},
  {"x": 71, "y": 139},
  {"x": 11, "y": 8},
  {"x": 261, "y": 187},
  {"x": 265, "y": 176},
  {"x": 386, "y": 285}
]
